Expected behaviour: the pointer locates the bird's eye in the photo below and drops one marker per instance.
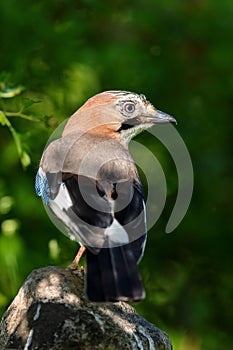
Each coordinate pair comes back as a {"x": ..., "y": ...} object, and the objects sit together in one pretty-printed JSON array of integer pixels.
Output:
[{"x": 129, "y": 107}]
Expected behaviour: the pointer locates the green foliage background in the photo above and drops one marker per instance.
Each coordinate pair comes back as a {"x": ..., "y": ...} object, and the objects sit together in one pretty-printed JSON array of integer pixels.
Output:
[{"x": 179, "y": 54}]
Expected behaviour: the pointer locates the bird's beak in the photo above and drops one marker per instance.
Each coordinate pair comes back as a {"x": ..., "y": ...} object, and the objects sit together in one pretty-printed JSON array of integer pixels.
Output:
[{"x": 159, "y": 117}]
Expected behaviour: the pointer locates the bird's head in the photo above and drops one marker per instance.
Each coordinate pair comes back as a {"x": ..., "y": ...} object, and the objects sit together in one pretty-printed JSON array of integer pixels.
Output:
[{"x": 117, "y": 113}]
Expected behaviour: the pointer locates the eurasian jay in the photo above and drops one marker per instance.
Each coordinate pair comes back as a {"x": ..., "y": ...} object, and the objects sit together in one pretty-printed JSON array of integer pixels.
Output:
[{"x": 90, "y": 186}]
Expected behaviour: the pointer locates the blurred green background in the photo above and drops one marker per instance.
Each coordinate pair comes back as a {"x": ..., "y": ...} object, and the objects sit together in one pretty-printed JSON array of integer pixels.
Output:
[{"x": 179, "y": 54}]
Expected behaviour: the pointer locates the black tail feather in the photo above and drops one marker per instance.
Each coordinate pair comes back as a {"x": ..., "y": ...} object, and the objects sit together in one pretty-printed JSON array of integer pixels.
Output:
[{"x": 113, "y": 275}]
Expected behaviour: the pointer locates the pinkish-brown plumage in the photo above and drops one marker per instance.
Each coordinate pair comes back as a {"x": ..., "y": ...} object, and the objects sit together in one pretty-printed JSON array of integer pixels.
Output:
[{"x": 92, "y": 190}]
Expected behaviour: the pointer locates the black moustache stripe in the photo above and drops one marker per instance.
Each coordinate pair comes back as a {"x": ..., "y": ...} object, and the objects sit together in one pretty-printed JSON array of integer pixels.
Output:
[{"x": 128, "y": 124}]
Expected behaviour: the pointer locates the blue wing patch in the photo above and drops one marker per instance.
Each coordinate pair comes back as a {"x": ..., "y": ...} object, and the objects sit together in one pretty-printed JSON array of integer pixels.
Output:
[{"x": 42, "y": 186}]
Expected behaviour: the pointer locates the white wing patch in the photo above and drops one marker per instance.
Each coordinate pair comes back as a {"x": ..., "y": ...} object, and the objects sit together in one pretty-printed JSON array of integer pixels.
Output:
[
  {"x": 116, "y": 233},
  {"x": 63, "y": 200}
]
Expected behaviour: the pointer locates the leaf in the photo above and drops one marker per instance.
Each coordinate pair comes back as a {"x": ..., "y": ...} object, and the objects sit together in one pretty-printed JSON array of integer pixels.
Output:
[
  {"x": 17, "y": 140},
  {"x": 23, "y": 155},
  {"x": 12, "y": 92},
  {"x": 25, "y": 159},
  {"x": 27, "y": 102},
  {"x": 2, "y": 118}
]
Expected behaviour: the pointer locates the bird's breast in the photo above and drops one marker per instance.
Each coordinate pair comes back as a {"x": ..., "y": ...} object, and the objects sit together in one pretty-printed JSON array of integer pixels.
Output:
[{"x": 88, "y": 155}]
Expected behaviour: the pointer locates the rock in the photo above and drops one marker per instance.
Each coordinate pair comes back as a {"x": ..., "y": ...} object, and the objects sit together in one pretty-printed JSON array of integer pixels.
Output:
[{"x": 51, "y": 312}]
